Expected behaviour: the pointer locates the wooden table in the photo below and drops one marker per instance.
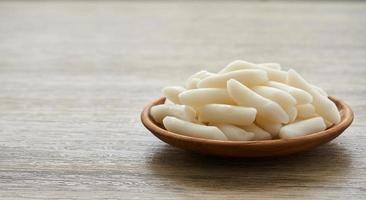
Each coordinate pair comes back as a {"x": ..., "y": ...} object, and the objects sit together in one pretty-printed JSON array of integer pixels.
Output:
[{"x": 74, "y": 77}]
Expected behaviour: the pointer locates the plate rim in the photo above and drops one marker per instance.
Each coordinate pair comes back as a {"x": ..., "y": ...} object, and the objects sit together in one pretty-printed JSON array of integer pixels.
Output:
[{"x": 345, "y": 110}]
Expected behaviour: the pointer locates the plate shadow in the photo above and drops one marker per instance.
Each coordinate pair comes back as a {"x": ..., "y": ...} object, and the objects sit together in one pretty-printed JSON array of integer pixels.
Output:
[{"x": 320, "y": 165}]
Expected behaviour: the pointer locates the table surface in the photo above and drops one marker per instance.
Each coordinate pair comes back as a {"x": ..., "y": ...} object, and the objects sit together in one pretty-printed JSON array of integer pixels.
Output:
[{"x": 74, "y": 77}]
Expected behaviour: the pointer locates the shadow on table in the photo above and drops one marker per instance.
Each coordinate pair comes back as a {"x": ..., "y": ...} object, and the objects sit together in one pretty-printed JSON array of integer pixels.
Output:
[{"x": 324, "y": 164}]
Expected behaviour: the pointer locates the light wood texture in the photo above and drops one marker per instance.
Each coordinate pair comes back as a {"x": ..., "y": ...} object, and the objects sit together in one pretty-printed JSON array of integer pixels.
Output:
[
  {"x": 74, "y": 77},
  {"x": 248, "y": 149}
]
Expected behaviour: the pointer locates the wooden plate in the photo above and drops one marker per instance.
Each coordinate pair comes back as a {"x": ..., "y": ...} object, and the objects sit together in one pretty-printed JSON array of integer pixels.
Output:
[{"x": 263, "y": 148}]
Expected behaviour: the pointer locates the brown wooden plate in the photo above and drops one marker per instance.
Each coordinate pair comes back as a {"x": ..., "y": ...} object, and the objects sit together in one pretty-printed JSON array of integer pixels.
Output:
[{"x": 264, "y": 148}]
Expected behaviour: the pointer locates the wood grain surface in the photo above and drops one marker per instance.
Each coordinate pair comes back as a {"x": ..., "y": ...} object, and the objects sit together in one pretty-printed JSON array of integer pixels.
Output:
[{"x": 74, "y": 77}]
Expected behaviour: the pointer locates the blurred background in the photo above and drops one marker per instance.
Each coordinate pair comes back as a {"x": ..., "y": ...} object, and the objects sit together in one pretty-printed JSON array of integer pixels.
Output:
[{"x": 143, "y": 37}]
